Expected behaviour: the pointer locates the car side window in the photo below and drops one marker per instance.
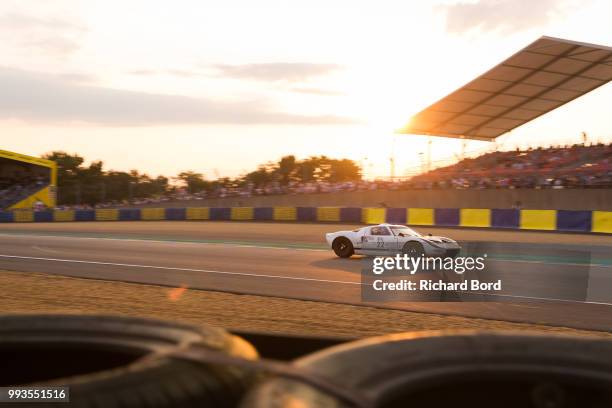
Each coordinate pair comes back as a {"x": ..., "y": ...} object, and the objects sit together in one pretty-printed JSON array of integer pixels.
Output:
[{"x": 379, "y": 231}]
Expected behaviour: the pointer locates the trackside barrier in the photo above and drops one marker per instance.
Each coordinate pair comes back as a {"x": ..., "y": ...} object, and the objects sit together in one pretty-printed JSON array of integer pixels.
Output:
[
  {"x": 176, "y": 214},
  {"x": 7, "y": 216},
  {"x": 540, "y": 220},
  {"x": 328, "y": 214},
  {"x": 220, "y": 213},
  {"x": 396, "y": 215},
  {"x": 107, "y": 214},
  {"x": 446, "y": 217},
  {"x": 129, "y": 214},
  {"x": 350, "y": 214},
  {"x": 420, "y": 216},
  {"x": 85, "y": 215},
  {"x": 307, "y": 214},
  {"x": 505, "y": 218},
  {"x": 241, "y": 213},
  {"x": 263, "y": 213},
  {"x": 475, "y": 217},
  {"x": 43, "y": 216},
  {"x": 574, "y": 221},
  {"x": 153, "y": 214},
  {"x": 63, "y": 215},
  {"x": 373, "y": 215},
  {"x": 198, "y": 213},
  {"x": 23, "y": 216},
  {"x": 602, "y": 221},
  {"x": 284, "y": 214}
]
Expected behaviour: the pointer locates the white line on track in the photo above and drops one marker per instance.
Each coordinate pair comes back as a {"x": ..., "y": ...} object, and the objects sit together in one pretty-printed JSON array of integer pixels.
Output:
[
  {"x": 296, "y": 278},
  {"x": 161, "y": 241},
  {"x": 242, "y": 245},
  {"x": 170, "y": 268}
]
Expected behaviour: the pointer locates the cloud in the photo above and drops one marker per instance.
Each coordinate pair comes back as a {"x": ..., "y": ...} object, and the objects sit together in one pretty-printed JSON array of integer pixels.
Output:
[
  {"x": 503, "y": 15},
  {"x": 143, "y": 72},
  {"x": 279, "y": 71},
  {"x": 22, "y": 22},
  {"x": 38, "y": 97},
  {"x": 181, "y": 73},
  {"x": 317, "y": 91},
  {"x": 77, "y": 77},
  {"x": 49, "y": 35}
]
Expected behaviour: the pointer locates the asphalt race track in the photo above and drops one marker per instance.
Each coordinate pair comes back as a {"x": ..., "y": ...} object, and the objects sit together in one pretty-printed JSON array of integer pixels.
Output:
[{"x": 290, "y": 260}]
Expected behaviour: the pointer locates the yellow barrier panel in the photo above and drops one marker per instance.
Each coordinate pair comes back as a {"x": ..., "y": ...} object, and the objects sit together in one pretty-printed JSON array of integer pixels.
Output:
[
  {"x": 23, "y": 216},
  {"x": 284, "y": 214},
  {"x": 63, "y": 215},
  {"x": 153, "y": 214},
  {"x": 539, "y": 219},
  {"x": 420, "y": 216},
  {"x": 474, "y": 217},
  {"x": 198, "y": 213},
  {"x": 328, "y": 213},
  {"x": 373, "y": 215},
  {"x": 107, "y": 214},
  {"x": 602, "y": 221},
  {"x": 241, "y": 213}
]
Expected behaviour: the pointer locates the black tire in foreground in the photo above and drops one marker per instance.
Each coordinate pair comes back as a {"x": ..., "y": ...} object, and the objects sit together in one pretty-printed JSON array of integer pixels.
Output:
[
  {"x": 110, "y": 362},
  {"x": 343, "y": 247},
  {"x": 452, "y": 369}
]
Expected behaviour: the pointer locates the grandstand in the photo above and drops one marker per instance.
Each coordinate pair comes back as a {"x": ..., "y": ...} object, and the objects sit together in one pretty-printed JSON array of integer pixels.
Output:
[
  {"x": 26, "y": 182},
  {"x": 578, "y": 166}
]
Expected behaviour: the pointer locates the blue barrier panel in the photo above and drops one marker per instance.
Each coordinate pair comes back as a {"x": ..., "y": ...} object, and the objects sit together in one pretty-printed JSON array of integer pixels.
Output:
[
  {"x": 446, "y": 216},
  {"x": 350, "y": 214},
  {"x": 263, "y": 213},
  {"x": 85, "y": 215},
  {"x": 43, "y": 216},
  {"x": 396, "y": 215},
  {"x": 505, "y": 218},
  {"x": 220, "y": 213},
  {"x": 129, "y": 214},
  {"x": 573, "y": 220},
  {"x": 176, "y": 213},
  {"x": 6, "y": 216},
  {"x": 306, "y": 214}
]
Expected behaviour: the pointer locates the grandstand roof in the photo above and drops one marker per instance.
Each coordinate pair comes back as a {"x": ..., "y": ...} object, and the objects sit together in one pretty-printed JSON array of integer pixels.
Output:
[
  {"x": 544, "y": 75},
  {"x": 27, "y": 159}
]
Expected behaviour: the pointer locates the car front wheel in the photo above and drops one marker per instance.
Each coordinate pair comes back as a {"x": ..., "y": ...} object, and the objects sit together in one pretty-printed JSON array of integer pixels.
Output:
[{"x": 413, "y": 249}]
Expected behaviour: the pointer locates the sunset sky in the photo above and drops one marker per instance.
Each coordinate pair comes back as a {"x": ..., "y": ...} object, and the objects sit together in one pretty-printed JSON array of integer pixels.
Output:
[{"x": 221, "y": 86}]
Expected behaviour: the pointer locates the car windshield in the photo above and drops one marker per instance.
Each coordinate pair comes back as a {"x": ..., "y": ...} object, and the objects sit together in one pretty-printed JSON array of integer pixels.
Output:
[{"x": 402, "y": 229}]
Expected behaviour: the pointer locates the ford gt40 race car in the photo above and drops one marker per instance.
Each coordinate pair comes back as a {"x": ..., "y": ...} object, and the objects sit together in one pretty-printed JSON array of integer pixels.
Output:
[{"x": 389, "y": 240}]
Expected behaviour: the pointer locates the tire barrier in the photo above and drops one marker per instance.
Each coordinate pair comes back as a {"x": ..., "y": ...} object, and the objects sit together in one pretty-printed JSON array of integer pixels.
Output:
[
  {"x": 450, "y": 369},
  {"x": 123, "y": 362},
  {"x": 112, "y": 362},
  {"x": 539, "y": 220}
]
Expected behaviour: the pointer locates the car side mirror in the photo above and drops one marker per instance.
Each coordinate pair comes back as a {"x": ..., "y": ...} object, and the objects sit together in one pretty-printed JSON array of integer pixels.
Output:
[
  {"x": 430, "y": 235},
  {"x": 401, "y": 234}
]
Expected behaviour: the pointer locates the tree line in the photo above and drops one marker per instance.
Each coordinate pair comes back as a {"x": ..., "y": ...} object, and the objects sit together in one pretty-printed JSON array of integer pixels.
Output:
[{"x": 81, "y": 184}]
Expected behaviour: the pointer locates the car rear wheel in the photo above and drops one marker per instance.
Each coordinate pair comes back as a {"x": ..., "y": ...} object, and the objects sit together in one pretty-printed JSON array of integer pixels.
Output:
[{"x": 343, "y": 247}]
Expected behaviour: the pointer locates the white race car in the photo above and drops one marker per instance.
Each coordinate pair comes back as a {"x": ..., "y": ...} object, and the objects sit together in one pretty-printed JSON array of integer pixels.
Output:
[{"x": 388, "y": 240}]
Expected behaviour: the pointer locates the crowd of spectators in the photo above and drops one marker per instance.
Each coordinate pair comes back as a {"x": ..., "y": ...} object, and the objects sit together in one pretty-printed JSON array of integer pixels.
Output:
[
  {"x": 578, "y": 166},
  {"x": 19, "y": 186}
]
